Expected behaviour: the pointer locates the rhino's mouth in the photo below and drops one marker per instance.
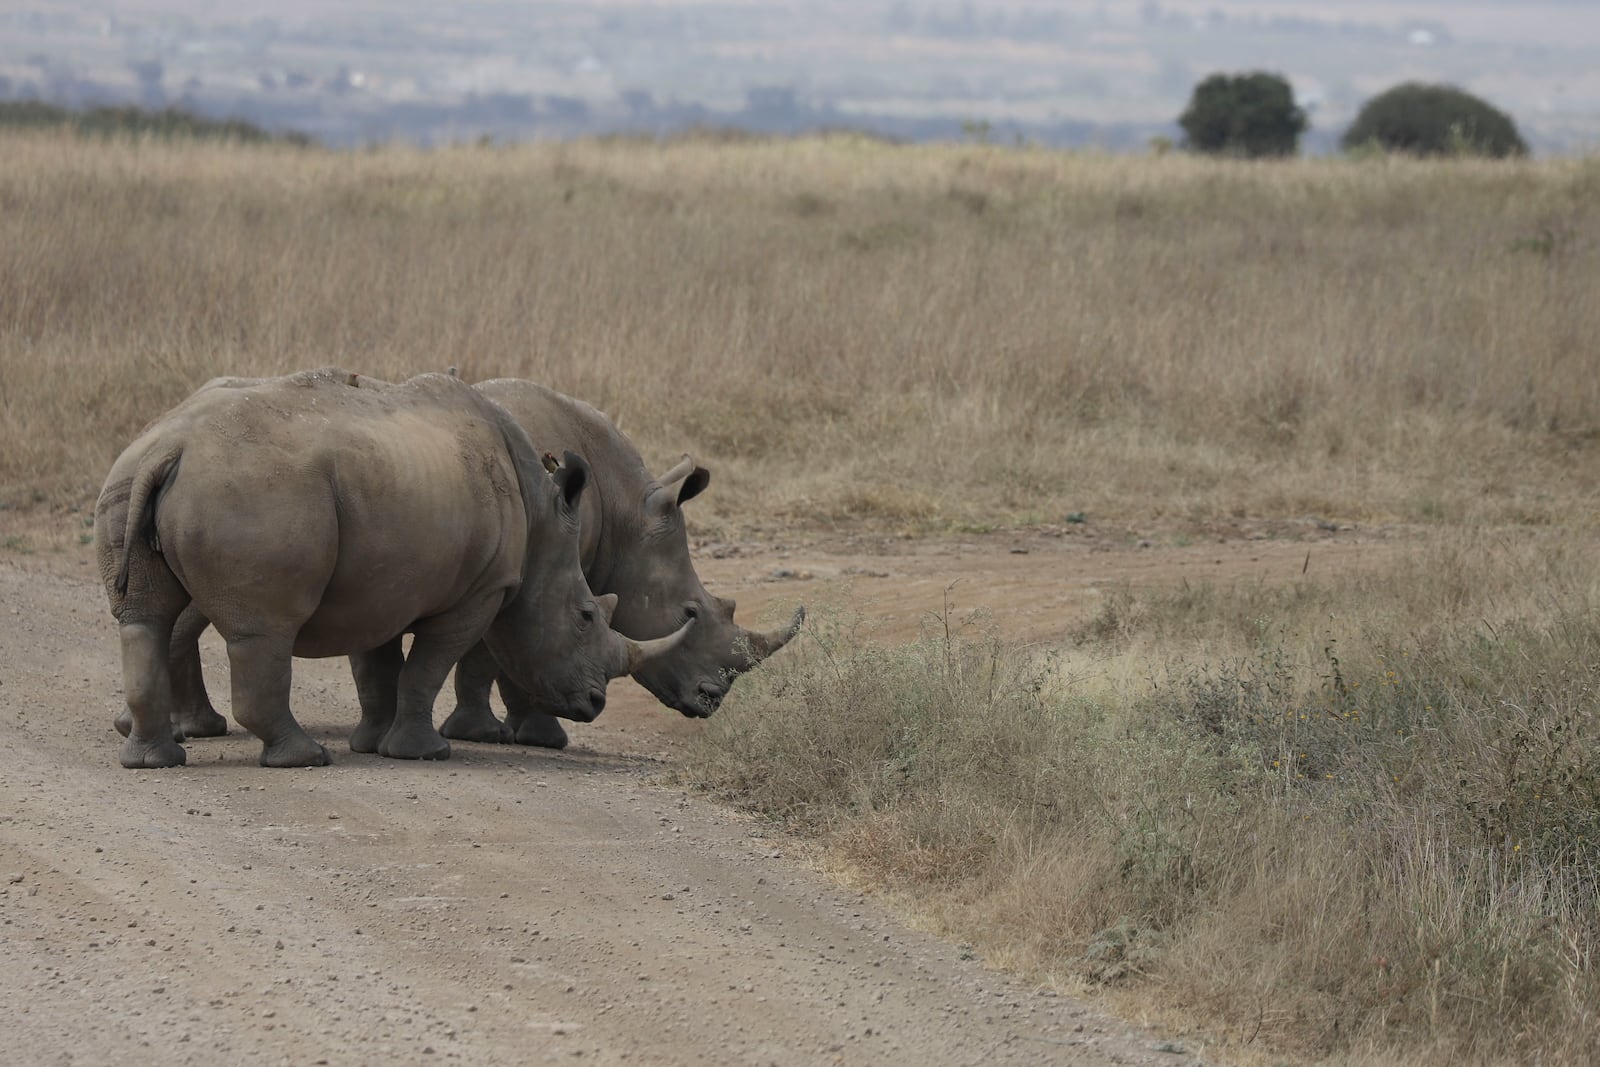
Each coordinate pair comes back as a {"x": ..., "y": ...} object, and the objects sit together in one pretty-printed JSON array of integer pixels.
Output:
[
  {"x": 691, "y": 700},
  {"x": 586, "y": 708},
  {"x": 706, "y": 699},
  {"x": 689, "y": 705}
]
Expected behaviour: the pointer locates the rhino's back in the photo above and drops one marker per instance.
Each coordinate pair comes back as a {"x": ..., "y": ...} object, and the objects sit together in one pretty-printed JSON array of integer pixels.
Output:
[
  {"x": 612, "y": 509},
  {"x": 555, "y": 422}
]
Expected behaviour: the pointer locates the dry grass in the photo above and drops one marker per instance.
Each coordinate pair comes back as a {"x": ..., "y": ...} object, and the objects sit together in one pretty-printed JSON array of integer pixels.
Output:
[
  {"x": 913, "y": 336},
  {"x": 1354, "y": 823}
]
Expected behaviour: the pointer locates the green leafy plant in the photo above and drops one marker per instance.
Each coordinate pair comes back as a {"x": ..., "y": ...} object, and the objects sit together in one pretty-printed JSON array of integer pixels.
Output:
[
  {"x": 1434, "y": 120},
  {"x": 1243, "y": 115}
]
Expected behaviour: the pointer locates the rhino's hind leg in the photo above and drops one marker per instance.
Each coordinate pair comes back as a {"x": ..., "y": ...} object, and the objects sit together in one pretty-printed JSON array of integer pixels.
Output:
[
  {"x": 124, "y": 725},
  {"x": 377, "y": 675},
  {"x": 473, "y": 719},
  {"x": 149, "y": 692},
  {"x": 529, "y": 726},
  {"x": 260, "y": 669},
  {"x": 193, "y": 711}
]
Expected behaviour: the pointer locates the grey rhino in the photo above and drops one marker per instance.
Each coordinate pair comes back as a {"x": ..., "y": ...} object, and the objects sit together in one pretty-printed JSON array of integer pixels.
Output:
[
  {"x": 634, "y": 545},
  {"x": 309, "y": 516}
]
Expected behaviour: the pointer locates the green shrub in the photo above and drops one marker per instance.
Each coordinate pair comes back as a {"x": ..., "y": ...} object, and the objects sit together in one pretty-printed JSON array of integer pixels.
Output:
[
  {"x": 1434, "y": 120},
  {"x": 1244, "y": 115},
  {"x": 130, "y": 120}
]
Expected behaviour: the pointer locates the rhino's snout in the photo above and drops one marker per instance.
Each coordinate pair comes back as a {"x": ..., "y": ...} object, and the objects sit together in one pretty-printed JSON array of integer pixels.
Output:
[
  {"x": 597, "y": 702},
  {"x": 711, "y": 695},
  {"x": 705, "y": 699}
]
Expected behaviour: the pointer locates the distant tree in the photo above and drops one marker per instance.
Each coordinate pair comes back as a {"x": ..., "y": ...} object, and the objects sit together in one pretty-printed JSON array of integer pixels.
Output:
[
  {"x": 134, "y": 121},
  {"x": 1431, "y": 120},
  {"x": 1243, "y": 115}
]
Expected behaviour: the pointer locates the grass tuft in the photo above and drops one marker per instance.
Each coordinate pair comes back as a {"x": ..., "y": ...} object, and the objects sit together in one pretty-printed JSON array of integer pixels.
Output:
[{"x": 1356, "y": 820}]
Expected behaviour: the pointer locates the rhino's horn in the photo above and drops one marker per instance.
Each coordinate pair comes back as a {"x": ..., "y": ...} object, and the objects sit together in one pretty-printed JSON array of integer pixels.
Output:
[
  {"x": 640, "y": 653},
  {"x": 763, "y": 645},
  {"x": 679, "y": 472}
]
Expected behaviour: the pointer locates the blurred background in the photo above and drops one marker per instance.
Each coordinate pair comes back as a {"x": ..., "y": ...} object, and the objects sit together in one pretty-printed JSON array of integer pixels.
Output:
[{"x": 1113, "y": 74}]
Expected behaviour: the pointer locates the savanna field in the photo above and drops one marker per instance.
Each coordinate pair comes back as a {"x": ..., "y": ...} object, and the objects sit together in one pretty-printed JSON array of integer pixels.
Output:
[{"x": 1342, "y": 820}]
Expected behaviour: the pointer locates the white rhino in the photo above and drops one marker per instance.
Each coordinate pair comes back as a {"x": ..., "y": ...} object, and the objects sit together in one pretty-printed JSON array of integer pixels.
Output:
[
  {"x": 318, "y": 515},
  {"x": 634, "y": 545}
]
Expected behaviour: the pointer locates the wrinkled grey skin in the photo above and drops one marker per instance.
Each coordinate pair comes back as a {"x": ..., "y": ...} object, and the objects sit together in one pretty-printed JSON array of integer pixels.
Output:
[
  {"x": 311, "y": 516},
  {"x": 634, "y": 545}
]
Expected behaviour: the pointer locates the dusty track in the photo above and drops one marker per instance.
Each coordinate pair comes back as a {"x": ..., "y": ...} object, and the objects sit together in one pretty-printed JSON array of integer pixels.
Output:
[{"x": 511, "y": 905}]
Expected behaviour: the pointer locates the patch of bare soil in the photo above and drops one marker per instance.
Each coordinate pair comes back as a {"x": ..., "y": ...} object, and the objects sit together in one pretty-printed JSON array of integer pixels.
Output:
[{"x": 510, "y": 905}]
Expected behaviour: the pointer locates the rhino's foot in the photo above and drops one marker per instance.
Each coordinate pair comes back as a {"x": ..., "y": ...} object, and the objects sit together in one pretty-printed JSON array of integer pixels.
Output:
[
  {"x": 416, "y": 742},
  {"x": 298, "y": 750},
  {"x": 137, "y": 753},
  {"x": 542, "y": 731},
  {"x": 124, "y": 724},
  {"x": 366, "y": 736},
  {"x": 203, "y": 722},
  {"x": 475, "y": 723}
]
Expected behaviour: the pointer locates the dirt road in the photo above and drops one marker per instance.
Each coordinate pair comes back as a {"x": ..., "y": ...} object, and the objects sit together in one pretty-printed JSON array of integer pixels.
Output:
[{"x": 510, "y": 905}]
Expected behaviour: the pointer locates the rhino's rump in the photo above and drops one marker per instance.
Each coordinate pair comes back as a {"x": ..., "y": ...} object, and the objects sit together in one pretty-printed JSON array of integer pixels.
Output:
[{"x": 338, "y": 515}]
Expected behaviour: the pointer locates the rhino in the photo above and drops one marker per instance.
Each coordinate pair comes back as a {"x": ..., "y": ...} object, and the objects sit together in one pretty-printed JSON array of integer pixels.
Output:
[
  {"x": 635, "y": 546},
  {"x": 322, "y": 515}
]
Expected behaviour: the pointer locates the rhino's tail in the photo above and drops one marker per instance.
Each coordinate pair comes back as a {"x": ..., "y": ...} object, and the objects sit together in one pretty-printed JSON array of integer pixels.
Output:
[{"x": 153, "y": 474}]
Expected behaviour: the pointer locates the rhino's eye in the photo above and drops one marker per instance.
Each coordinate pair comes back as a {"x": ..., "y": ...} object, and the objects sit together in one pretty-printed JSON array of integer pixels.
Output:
[
  {"x": 587, "y": 614},
  {"x": 691, "y": 610}
]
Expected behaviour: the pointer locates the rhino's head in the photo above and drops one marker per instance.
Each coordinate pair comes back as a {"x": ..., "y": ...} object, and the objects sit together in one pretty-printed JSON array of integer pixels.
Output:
[
  {"x": 661, "y": 592},
  {"x": 555, "y": 638}
]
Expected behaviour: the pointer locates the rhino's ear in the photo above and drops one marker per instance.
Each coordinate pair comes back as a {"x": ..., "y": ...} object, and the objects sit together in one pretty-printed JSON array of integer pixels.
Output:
[
  {"x": 684, "y": 482},
  {"x": 693, "y": 485},
  {"x": 570, "y": 478}
]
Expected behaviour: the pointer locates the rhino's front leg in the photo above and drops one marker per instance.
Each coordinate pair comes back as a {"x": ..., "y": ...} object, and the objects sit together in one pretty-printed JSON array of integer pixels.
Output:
[
  {"x": 260, "y": 669},
  {"x": 528, "y": 725},
  {"x": 377, "y": 675},
  {"x": 473, "y": 719},
  {"x": 411, "y": 735},
  {"x": 437, "y": 644}
]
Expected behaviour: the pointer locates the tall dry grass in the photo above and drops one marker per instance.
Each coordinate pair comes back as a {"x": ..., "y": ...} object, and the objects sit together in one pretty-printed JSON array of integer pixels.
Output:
[
  {"x": 918, "y": 336},
  {"x": 1353, "y": 823}
]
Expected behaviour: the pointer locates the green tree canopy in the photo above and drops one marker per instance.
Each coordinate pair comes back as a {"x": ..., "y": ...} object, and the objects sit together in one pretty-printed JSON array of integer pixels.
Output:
[
  {"x": 1432, "y": 120},
  {"x": 1243, "y": 114}
]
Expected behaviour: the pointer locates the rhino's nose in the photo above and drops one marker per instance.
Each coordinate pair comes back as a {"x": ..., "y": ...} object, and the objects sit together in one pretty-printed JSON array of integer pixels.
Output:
[
  {"x": 597, "y": 700},
  {"x": 711, "y": 694}
]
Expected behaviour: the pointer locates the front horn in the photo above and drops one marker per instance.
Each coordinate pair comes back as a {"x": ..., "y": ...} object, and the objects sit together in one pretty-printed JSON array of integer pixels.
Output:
[
  {"x": 763, "y": 645},
  {"x": 641, "y": 653}
]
